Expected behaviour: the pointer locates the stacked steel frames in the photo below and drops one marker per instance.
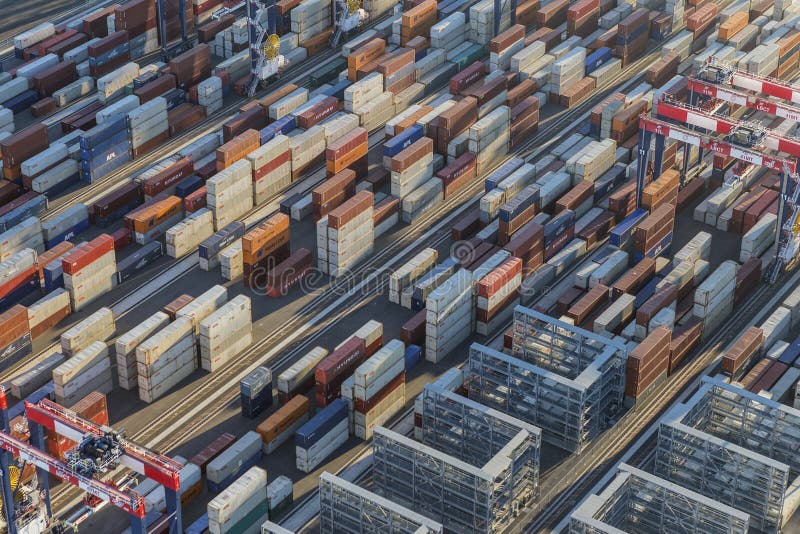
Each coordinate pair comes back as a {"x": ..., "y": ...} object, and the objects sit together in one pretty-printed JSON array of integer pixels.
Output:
[
  {"x": 736, "y": 447},
  {"x": 349, "y": 509},
  {"x": 636, "y": 501},
  {"x": 564, "y": 379},
  {"x": 447, "y": 485}
]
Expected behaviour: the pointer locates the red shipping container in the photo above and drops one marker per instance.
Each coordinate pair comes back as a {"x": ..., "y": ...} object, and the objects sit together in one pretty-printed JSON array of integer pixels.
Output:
[
  {"x": 467, "y": 77},
  {"x": 122, "y": 238},
  {"x": 456, "y": 175},
  {"x": 76, "y": 260},
  {"x": 169, "y": 177},
  {"x": 212, "y": 450},
  {"x": 499, "y": 277},
  {"x": 289, "y": 273},
  {"x": 350, "y": 209},
  {"x": 13, "y": 324},
  {"x": 336, "y": 367},
  {"x": 582, "y": 8}
]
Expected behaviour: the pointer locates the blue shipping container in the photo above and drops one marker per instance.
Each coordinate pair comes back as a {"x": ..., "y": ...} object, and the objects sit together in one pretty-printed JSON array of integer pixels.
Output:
[
  {"x": 412, "y": 356},
  {"x": 128, "y": 267},
  {"x": 284, "y": 125},
  {"x": 503, "y": 172},
  {"x": 449, "y": 266},
  {"x": 646, "y": 292},
  {"x": 22, "y": 101},
  {"x": 661, "y": 248},
  {"x": 597, "y": 58},
  {"x": 8, "y": 300},
  {"x": 102, "y": 132},
  {"x": 253, "y": 406},
  {"x": 322, "y": 423},
  {"x": 337, "y": 89},
  {"x": 212, "y": 246},
  {"x": 558, "y": 225},
  {"x": 526, "y": 198},
  {"x": 68, "y": 234},
  {"x": 53, "y": 275},
  {"x": 17, "y": 350},
  {"x": 199, "y": 526},
  {"x": 91, "y": 173},
  {"x": 256, "y": 381},
  {"x": 609, "y": 181},
  {"x": 246, "y": 464},
  {"x": 30, "y": 208},
  {"x": 621, "y": 233},
  {"x": 174, "y": 98},
  {"x": 401, "y": 141},
  {"x": 790, "y": 353},
  {"x": 188, "y": 186}
]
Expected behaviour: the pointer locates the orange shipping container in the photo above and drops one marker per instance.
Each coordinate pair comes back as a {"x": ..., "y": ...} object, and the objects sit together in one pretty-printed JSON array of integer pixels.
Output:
[
  {"x": 264, "y": 235},
  {"x": 733, "y": 25},
  {"x": 155, "y": 214},
  {"x": 363, "y": 55},
  {"x": 237, "y": 148},
  {"x": 418, "y": 21},
  {"x": 283, "y": 418}
]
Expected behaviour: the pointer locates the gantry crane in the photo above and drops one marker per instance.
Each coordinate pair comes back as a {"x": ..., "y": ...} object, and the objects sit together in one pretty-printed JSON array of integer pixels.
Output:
[
  {"x": 347, "y": 16},
  {"x": 744, "y": 144},
  {"x": 169, "y": 51},
  {"x": 265, "y": 44},
  {"x": 721, "y": 73},
  {"x": 99, "y": 450}
]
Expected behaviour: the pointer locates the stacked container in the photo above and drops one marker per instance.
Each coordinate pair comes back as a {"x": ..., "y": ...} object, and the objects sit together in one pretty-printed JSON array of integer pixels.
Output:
[
  {"x": 230, "y": 261},
  {"x": 345, "y": 235},
  {"x": 648, "y": 363},
  {"x": 411, "y": 167},
  {"x": 153, "y": 220},
  {"x": 347, "y": 151},
  {"x": 242, "y": 506},
  {"x": 410, "y": 272},
  {"x": 88, "y": 370},
  {"x": 713, "y": 299},
  {"x": 307, "y": 148},
  {"x": 497, "y": 295},
  {"x": 255, "y": 392},
  {"x": 210, "y": 248},
  {"x": 230, "y": 193},
  {"x": 321, "y": 436},
  {"x": 89, "y": 271},
  {"x": 148, "y": 126},
  {"x": 25, "y": 235},
  {"x": 233, "y": 462},
  {"x": 379, "y": 388},
  {"x": 299, "y": 378},
  {"x": 187, "y": 235},
  {"x": 263, "y": 248},
  {"x": 209, "y": 94},
  {"x": 165, "y": 358},
  {"x": 449, "y": 315},
  {"x": 104, "y": 148},
  {"x": 739, "y": 354},
  {"x": 489, "y": 137},
  {"x": 65, "y": 225},
  {"x": 281, "y": 425},
  {"x": 19, "y": 277},
  {"x": 97, "y": 327},
  {"x": 48, "y": 311},
  {"x": 126, "y": 344},
  {"x": 15, "y": 336},
  {"x": 225, "y": 333},
  {"x": 279, "y": 496},
  {"x": 271, "y": 168}
]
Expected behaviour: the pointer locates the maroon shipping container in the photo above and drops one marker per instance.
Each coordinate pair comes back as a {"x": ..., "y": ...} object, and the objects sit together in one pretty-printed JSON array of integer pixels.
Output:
[
  {"x": 122, "y": 238},
  {"x": 350, "y": 209},
  {"x": 289, "y": 273},
  {"x": 106, "y": 44},
  {"x": 95, "y": 25},
  {"x": 413, "y": 331},
  {"x": 212, "y": 450},
  {"x": 769, "y": 377},
  {"x": 271, "y": 165},
  {"x": 758, "y": 369},
  {"x": 742, "y": 351},
  {"x": 318, "y": 112},
  {"x": 661, "y": 299},
  {"x": 13, "y": 324},
  {"x": 157, "y": 87},
  {"x": 112, "y": 202},
  {"x": 588, "y": 303},
  {"x": 336, "y": 367},
  {"x": 458, "y": 174},
  {"x": 467, "y": 77},
  {"x": 466, "y": 226},
  {"x": 49, "y": 80},
  {"x": 193, "y": 65},
  {"x": 83, "y": 119},
  {"x": 507, "y": 38},
  {"x": 636, "y": 277},
  {"x": 553, "y": 14},
  {"x": 333, "y": 187},
  {"x": 136, "y": 16},
  {"x": 24, "y": 144},
  {"x": 634, "y": 21},
  {"x": 684, "y": 338},
  {"x": 176, "y": 305},
  {"x": 195, "y": 201},
  {"x": 485, "y": 90},
  {"x": 8, "y": 192},
  {"x": 345, "y": 144},
  {"x": 67, "y": 44},
  {"x": 254, "y": 118},
  {"x": 385, "y": 209},
  {"x": 169, "y": 177}
]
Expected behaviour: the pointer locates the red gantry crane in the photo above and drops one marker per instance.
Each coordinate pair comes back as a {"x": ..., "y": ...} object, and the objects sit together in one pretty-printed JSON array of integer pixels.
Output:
[{"x": 99, "y": 449}]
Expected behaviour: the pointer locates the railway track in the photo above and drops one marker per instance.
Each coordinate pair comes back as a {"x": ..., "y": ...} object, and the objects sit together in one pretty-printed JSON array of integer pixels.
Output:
[{"x": 215, "y": 392}]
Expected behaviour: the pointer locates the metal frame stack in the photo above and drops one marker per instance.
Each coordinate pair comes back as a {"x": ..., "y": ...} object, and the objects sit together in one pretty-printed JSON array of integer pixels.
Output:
[
  {"x": 566, "y": 380},
  {"x": 465, "y": 497},
  {"x": 475, "y": 433},
  {"x": 349, "y": 509},
  {"x": 734, "y": 446},
  {"x": 636, "y": 501}
]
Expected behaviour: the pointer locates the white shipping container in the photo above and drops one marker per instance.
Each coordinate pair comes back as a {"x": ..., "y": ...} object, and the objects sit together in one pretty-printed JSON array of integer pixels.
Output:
[
  {"x": 300, "y": 370},
  {"x": 37, "y": 376},
  {"x": 97, "y": 327},
  {"x": 204, "y": 305},
  {"x": 229, "y": 461},
  {"x": 80, "y": 363}
]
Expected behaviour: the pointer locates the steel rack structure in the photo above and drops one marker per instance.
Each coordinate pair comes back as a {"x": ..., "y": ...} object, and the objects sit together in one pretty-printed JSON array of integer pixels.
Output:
[
  {"x": 463, "y": 497},
  {"x": 474, "y": 433},
  {"x": 736, "y": 447},
  {"x": 348, "y": 509},
  {"x": 565, "y": 380},
  {"x": 637, "y": 502}
]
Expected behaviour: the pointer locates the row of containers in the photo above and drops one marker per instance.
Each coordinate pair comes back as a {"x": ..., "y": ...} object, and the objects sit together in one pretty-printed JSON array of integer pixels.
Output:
[{"x": 592, "y": 161}]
